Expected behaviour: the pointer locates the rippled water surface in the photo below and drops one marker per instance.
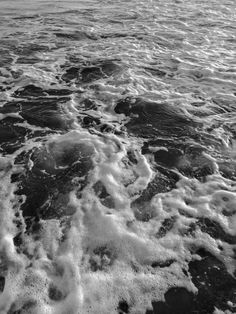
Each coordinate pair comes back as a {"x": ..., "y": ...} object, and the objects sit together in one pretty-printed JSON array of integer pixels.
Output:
[{"x": 118, "y": 157}]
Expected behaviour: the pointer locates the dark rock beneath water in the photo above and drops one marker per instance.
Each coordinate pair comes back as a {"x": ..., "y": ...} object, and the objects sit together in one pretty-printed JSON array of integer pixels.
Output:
[
  {"x": 5, "y": 58},
  {"x": 2, "y": 283},
  {"x": 55, "y": 294},
  {"x": 214, "y": 229},
  {"x": 196, "y": 165},
  {"x": 28, "y": 59},
  {"x": 90, "y": 121},
  {"x": 105, "y": 198},
  {"x": 227, "y": 169},
  {"x": 9, "y": 132},
  {"x": 166, "y": 226},
  {"x": 132, "y": 158},
  {"x": 18, "y": 240},
  {"x": 215, "y": 288},
  {"x": 27, "y": 307},
  {"x": 91, "y": 72},
  {"x": 163, "y": 264},
  {"x": 123, "y": 307},
  {"x": 187, "y": 158},
  {"x": 45, "y": 112},
  {"x": 178, "y": 300},
  {"x": 172, "y": 137},
  {"x": 209, "y": 226},
  {"x": 47, "y": 184},
  {"x": 100, "y": 190},
  {"x": 168, "y": 158},
  {"x": 32, "y": 91},
  {"x": 12, "y": 136},
  {"x": 77, "y": 36},
  {"x": 39, "y": 107},
  {"x": 215, "y": 285},
  {"x": 30, "y": 48},
  {"x": 164, "y": 181},
  {"x": 149, "y": 119},
  {"x": 155, "y": 71}
]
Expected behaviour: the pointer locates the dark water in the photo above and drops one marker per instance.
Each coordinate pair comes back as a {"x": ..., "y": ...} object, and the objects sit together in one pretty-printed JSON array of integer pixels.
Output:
[{"x": 117, "y": 157}]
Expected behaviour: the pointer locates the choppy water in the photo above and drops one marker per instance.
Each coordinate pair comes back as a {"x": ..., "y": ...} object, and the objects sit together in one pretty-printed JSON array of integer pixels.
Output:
[{"x": 118, "y": 157}]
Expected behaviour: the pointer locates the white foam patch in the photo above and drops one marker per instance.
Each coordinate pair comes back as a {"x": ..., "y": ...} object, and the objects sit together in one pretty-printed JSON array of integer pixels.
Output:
[
  {"x": 105, "y": 255},
  {"x": 11, "y": 115}
]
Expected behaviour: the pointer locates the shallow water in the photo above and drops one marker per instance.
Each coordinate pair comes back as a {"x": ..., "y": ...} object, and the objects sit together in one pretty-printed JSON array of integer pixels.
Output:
[{"x": 117, "y": 157}]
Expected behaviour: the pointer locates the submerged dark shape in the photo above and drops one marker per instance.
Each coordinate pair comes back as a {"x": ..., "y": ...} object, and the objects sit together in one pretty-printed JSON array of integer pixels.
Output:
[
  {"x": 90, "y": 121},
  {"x": 176, "y": 153},
  {"x": 11, "y": 135},
  {"x": 104, "y": 197},
  {"x": 123, "y": 307},
  {"x": 5, "y": 57},
  {"x": 149, "y": 118},
  {"x": 178, "y": 300},
  {"x": 28, "y": 59},
  {"x": 163, "y": 264},
  {"x": 26, "y": 49},
  {"x": 55, "y": 294},
  {"x": 209, "y": 226},
  {"x": 2, "y": 283},
  {"x": 88, "y": 73},
  {"x": 155, "y": 71},
  {"x": 27, "y": 53},
  {"x": 215, "y": 285},
  {"x": 227, "y": 169},
  {"x": 76, "y": 35},
  {"x": 31, "y": 91},
  {"x": 215, "y": 288},
  {"x": 43, "y": 112},
  {"x": 169, "y": 157},
  {"x": 39, "y": 107},
  {"x": 48, "y": 183},
  {"x": 120, "y": 35},
  {"x": 27, "y": 307},
  {"x": 214, "y": 229},
  {"x": 172, "y": 138},
  {"x": 164, "y": 181},
  {"x": 166, "y": 226}
]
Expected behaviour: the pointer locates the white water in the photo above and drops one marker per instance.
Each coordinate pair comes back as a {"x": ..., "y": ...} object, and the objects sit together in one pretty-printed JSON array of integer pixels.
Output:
[{"x": 97, "y": 250}]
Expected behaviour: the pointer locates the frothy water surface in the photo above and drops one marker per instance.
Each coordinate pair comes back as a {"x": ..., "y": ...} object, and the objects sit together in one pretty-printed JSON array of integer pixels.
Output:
[{"x": 117, "y": 157}]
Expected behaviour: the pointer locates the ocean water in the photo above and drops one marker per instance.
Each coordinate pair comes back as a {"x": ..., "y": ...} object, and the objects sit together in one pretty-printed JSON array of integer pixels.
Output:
[{"x": 118, "y": 157}]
